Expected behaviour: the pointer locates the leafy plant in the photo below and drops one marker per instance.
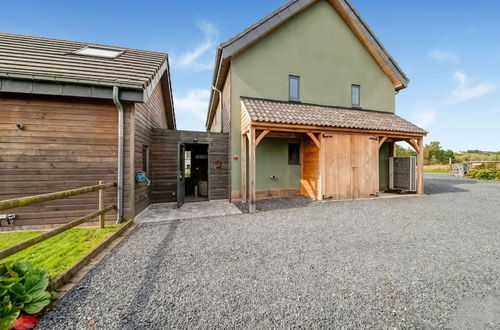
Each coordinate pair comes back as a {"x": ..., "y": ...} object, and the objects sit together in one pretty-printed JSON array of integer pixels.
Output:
[{"x": 22, "y": 288}]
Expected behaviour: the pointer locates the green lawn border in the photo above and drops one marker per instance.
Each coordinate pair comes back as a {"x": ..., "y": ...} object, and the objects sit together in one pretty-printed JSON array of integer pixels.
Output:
[{"x": 66, "y": 276}]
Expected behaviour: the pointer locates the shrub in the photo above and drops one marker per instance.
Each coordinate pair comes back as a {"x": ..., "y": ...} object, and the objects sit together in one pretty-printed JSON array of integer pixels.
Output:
[
  {"x": 22, "y": 288},
  {"x": 486, "y": 172}
]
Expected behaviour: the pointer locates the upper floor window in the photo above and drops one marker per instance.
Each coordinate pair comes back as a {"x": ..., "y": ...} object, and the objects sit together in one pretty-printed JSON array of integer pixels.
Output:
[
  {"x": 356, "y": 95},
  {"x": 294, "y": 88},
  {"x": 99, "y": 52}
]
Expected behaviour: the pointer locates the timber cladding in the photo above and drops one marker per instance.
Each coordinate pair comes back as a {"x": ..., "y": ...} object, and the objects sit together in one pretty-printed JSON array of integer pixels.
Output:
[
  {"x": 165, "y": 159},
  {"x": 65, "y": 143}
]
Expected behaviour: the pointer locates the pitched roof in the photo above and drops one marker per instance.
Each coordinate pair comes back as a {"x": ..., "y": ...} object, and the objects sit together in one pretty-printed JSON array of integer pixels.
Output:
[
  {"x": 271, "y": 111},
  {"x": 40, "y": 58},
  {"x": 270, "y": 22}
]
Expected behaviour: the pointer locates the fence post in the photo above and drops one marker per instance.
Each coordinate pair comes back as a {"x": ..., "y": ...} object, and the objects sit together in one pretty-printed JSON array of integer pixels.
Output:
[{"x": 101, "y": 206}]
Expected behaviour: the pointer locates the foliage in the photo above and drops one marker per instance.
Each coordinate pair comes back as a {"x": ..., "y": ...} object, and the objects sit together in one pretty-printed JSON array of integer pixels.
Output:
[
  {"x": 434, "y": 154},
  {"x": 22, "y": 288},
  {"x": 477, "y": 155},
  {"x": 404, "y": 152},
  {"x": 59, "y": 252},
  {"x": 487, "y": 171}
]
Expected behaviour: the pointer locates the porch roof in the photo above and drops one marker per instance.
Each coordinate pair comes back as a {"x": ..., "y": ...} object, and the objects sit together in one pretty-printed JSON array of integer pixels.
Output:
[{"x": 271, "y": 111}]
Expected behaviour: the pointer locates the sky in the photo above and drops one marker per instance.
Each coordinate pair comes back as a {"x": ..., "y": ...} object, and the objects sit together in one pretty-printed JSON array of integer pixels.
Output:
[{"x": 450, "y": 50}]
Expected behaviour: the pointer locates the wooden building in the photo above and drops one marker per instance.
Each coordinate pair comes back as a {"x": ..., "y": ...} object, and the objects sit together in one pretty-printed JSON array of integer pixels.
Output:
[
  {"x": 307, "y": 95},
  {"x": 75, "y": 113}
]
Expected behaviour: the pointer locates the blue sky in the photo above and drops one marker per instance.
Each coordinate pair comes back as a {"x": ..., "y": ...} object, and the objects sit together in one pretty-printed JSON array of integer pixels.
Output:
[{"x": 449, "y": 50}]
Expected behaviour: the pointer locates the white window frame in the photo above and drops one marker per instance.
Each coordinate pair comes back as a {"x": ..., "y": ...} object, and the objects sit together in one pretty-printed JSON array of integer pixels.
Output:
[
  {"x": 290, "y": 78},
  {"x": 353, "y": 87}
]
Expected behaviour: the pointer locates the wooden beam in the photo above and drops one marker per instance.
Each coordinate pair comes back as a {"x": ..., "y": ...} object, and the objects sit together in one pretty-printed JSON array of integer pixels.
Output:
[
  {"x": 243, "y": 168},
  {"x": 420, "y": 166},
  {"x": 25, "y": 201},
  {"x": 261, "y": 136},
  {"x": 412, "y": 143},
  {"x": 381, "y": 141},
  {"x": 314, "y": 139},
  {"x": 321, "y": 179},
  {"x": 320, "y": 129},
  {"x": 251, "y": 170}
]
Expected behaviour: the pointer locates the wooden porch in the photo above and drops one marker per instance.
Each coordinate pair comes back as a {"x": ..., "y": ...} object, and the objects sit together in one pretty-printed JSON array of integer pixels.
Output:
[{"x": 337, "y": 163}]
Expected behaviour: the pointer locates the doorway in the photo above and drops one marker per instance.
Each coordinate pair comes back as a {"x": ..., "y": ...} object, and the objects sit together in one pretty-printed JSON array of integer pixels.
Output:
[
  {"x": 351, "y": 166},
  {"x": 196, "y": 172}
]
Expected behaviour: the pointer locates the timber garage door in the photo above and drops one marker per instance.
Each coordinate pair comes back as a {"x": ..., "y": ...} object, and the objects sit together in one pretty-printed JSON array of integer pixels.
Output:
[{"x": 351, "y": 166}]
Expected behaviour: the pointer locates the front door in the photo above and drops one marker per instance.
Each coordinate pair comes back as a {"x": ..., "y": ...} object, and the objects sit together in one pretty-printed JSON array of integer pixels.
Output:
[
  {"x": 351, "y": 166},
  {"x": 181, "y": 175}
]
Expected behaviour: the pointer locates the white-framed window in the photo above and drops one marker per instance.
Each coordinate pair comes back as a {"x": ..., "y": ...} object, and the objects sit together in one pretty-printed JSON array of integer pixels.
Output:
[
  {"x": 356, "y": 96},
  {"x": 294, "y": 88},
  {"x": 99, "y": 52}
]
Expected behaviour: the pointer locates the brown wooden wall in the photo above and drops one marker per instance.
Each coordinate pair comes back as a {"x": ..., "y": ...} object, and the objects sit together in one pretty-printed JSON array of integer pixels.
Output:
[
  {"x": 66, "y": 143},
  {"x": 164, "y": 160},
  {"x": 309, "y": 182},
  {"x": 148, "y": 115}
]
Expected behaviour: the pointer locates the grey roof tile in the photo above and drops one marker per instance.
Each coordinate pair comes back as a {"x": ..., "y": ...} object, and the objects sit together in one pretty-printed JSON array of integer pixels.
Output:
[
  {"x": 261, "y": 110},
  {"x": 41, "y": 58}
]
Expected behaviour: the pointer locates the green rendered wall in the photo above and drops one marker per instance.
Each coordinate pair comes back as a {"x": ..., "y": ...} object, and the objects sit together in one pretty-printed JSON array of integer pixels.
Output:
[
  {"x": 320, "y": 48},
  {"x": 272, "y": 159},
  {"x": 384, "y": 166}
]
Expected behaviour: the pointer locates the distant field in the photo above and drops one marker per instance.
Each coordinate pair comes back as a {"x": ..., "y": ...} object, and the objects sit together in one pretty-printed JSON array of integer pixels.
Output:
[
  {"x": 476, "y": 156},
  {"x": 444, "y": 169}
]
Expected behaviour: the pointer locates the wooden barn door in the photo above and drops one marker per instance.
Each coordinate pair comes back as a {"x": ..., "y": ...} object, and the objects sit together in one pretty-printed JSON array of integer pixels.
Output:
[
  {"x": 351, "y": 166},
  {"x": 338, "y": 169},
  {"x": 364, "y": 158}
]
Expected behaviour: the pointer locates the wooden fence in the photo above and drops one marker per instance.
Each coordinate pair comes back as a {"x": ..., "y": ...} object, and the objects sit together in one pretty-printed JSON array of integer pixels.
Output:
[{"x": 25, "y": 201}]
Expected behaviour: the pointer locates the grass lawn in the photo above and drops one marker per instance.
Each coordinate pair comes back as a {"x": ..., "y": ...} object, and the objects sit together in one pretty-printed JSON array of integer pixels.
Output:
[
  {"x": 443, "y": 169},
  {"x": 59, "y": 252}
]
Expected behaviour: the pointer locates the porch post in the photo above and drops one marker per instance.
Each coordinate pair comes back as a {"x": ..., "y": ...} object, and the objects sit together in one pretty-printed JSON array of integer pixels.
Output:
[
  {"x": 420, "y": 166},
  {"x": 251, "y": 169},
  {"x": 243, "y": 168}
]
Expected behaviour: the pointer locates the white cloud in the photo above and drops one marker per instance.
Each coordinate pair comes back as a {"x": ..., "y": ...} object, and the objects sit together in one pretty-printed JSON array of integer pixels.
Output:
[
  {"x": 444, "y": 56},
  {"x": 424, "y": 118},
  {"x": 464, "y": 91},
  {"x": 195, "y": 103},
  {"x": 194, "y": 59}
]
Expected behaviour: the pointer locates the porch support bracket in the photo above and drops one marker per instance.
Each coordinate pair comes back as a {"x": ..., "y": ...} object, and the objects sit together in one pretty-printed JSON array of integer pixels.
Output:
[{"x": 314, "y": 139}]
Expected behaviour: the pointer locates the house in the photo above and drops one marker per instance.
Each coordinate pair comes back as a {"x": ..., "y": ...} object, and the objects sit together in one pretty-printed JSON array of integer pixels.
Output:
[
  {"x": 74, "y": 113},
  {"x": 307, "y": 96}
]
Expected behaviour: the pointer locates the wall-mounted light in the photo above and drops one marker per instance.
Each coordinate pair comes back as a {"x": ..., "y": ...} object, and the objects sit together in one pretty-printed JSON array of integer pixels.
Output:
[
  {"x": 195, "y": 140},
  {"x": 19, "y": 126}
]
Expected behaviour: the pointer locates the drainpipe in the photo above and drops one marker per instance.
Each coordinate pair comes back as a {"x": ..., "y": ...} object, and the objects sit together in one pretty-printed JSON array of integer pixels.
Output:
[
  {"x": 119, "y": 202},
  {"x": 220, "y": 103}
]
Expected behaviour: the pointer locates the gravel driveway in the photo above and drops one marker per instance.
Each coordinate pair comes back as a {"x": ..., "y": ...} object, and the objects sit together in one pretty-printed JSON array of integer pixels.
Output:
[{"x": 419, "y": 262}]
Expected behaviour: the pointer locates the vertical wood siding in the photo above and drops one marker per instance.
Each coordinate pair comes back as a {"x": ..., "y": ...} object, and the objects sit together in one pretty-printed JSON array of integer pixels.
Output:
[
  {"x": 66, "y": 143},
  {"x": 164, "y": 161},
  {"x": 148, "y": 115}
]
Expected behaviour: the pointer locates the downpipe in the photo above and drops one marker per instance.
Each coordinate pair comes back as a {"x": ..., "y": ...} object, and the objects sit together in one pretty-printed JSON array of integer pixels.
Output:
[
  {"x": 220, "y": 103},
  {"x": 121, "y": 125}
]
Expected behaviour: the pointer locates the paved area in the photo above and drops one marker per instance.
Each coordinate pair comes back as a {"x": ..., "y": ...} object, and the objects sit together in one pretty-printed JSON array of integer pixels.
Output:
[
  {"x": 169, "y": 211},
  {"x": 421, "y": 262}
]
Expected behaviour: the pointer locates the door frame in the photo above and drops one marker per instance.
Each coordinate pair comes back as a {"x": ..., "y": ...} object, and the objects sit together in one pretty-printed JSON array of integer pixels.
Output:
[{"x": 181, "y": 175}]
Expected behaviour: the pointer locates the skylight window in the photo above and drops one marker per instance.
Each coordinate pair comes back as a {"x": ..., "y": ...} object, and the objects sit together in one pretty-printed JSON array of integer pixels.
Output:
[{"x": 99, "y": 52}]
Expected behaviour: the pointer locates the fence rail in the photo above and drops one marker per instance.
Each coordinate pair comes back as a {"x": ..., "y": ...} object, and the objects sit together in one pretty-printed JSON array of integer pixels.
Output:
[{"x": 25, "y": 201}]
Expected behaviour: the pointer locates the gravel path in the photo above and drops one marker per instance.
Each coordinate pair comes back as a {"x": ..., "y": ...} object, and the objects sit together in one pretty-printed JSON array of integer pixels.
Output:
[{"x": 418, "y": 262}]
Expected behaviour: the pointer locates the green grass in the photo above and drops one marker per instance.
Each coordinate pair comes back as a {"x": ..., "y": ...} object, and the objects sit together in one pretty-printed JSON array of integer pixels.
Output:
[
  {"x": 437, "y": 170},
  {"x": 59, "y": 252}
]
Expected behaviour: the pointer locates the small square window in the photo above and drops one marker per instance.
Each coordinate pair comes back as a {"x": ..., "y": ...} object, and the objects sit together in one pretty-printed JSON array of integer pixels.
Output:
[
  {"x": 145, "y": 159},
  {"x": 356, "y": 95},
  {"x": 294, "y": 88},
  {"x": 99, "y": 52},
  {"x": 294, "y": 154}
]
